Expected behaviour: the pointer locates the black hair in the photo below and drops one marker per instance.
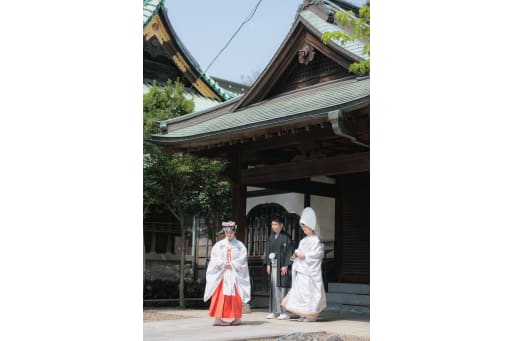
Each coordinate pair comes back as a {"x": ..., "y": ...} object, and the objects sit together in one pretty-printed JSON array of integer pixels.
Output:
[{"x": 278, "y": 219}]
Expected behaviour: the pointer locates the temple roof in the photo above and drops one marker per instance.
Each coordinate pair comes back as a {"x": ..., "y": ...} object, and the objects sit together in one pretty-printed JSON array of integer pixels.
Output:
[
  {"x": 268, "y": 106},
  {"x": 150, "y": 9},
  {"x": 321, "y": 26},
  {"x": 154, "y": 8},
  {"x": 312, "y": 17},
  {"x": 293, "y": 107}
]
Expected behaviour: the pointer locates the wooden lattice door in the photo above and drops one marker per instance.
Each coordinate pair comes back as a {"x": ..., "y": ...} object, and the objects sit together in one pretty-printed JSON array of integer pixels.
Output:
[{"x": 259, "y": 221}]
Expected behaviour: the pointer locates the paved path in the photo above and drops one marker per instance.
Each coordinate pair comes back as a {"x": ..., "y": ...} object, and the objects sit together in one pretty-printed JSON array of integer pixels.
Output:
[{"x": 193, "y": 325}]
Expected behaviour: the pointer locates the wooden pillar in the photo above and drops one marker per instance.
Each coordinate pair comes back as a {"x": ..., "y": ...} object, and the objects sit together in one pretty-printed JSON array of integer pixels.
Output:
[
  {"x": 169, "y": 245},
  {"x": 338, "y": 229},
  {"x": 239, "y": 205},
  {"x": 153, "y": 242},
  {"x": 307, "y": 200},
  {"x": 239, "y": 194}
]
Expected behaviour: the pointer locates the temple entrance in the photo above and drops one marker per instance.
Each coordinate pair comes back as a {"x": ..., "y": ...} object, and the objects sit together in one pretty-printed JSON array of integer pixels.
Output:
[{"x": 259, "y": 221}]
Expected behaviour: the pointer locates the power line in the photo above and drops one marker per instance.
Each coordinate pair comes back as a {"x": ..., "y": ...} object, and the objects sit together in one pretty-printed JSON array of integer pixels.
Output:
[{"x": 234, "y": 34}]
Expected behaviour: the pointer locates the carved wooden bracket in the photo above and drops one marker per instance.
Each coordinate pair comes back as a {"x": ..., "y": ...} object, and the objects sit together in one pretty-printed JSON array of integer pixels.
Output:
[
  {"x": 306, "y": 53},
  {"x": 154, "y": 48}
]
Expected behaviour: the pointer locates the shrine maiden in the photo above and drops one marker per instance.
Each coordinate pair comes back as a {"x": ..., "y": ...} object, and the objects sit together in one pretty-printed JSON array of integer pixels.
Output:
[{"x": 227, "y": 278}]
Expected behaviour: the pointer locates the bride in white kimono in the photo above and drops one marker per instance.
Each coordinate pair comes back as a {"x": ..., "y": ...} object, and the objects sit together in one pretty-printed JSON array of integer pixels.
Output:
[
  {"x": 307, "y": 295},
  {"x": 227, "y": 278}
]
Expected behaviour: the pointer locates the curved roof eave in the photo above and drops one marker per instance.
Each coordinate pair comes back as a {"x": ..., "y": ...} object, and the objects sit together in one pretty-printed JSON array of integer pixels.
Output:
[
  {"x": 308, "y": 104},
  {"x": 150, "y": 10},
  {"x": 304, "y": 117}
]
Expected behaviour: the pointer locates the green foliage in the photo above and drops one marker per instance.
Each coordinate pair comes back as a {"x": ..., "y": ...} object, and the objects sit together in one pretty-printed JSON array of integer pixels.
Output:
[
  {"x": 175, "y": 182},
  {"x": 171, "y": 180},
  {"x": 180, "y": 183},
  {"x": 187, "y": 184},
  {"x": 355, "y": 28},
  {"x": 162, "y": 103},
  {"x": 213, "y": 198}
]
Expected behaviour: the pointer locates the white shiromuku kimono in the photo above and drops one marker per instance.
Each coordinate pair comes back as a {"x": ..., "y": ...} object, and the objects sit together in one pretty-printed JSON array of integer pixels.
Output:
[
  {"x": 307, "y": 295},
  {"x": 237, "y": 276}
]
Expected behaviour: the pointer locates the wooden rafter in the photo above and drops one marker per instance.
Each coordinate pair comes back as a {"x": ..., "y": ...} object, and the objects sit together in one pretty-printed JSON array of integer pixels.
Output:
[{"x": 346, "y": 164}]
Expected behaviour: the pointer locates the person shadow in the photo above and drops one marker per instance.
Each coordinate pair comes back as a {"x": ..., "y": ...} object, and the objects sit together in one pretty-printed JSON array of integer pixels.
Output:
[{"x": 253, "y": 323}]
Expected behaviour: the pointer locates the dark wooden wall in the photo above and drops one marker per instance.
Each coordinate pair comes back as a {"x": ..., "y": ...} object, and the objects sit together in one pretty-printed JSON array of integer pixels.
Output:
[{"x": 352, "y": 233}]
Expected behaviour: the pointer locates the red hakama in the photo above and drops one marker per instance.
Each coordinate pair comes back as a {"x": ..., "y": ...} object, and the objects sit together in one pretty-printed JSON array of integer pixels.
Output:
[{"x": 223, "y": 306}]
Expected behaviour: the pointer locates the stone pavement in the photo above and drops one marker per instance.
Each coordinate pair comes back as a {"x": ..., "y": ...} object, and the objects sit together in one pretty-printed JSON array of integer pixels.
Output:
[{"x": 195, "y": 324}]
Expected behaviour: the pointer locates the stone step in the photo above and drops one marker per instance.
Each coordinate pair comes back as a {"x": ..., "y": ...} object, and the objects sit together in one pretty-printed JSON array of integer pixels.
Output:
[
  {"x": 349, "y": 288},
  {"x": 346, "y": 310},
  {"x": 259, "y": 301},
  {"x": 349, "y": 299}
]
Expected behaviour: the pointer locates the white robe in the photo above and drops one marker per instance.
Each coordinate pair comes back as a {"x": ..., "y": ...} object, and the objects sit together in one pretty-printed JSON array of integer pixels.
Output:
[
  {"x": 237, "y": 276},
  {"x": 307, "y": 295}
]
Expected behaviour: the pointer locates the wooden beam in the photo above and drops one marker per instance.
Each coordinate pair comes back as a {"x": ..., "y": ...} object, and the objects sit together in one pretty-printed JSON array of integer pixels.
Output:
[
  {"x": 264, "y": 192},
  {"x": 343, "y": 164},
  {"x": 296, "y": 139},
  {"x": 303, "y": 186},
  {"x": 289, "y": 138},
  {"x": 328, "y": 52}
]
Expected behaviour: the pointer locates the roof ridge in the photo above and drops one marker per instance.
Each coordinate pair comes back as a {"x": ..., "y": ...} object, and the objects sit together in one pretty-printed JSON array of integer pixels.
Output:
[
  {"x": 204, "y": 111},
  {"x": 345, "y": 80},
  {"x": 338, "y": 5},
  {"x": 321, "y": 26}
]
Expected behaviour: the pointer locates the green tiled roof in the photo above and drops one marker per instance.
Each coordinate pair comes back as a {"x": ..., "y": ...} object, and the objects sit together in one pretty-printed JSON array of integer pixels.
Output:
[
  {"x": 322, "y": 26},
  {"x": 295, "y": 106},
  {"x": 225, "y": 94},
  {"x": 150, "y": 9}
]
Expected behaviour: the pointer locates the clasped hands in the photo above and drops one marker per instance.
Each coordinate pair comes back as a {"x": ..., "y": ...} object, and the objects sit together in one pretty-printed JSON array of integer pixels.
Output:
[{"x": 228, "y": 266}]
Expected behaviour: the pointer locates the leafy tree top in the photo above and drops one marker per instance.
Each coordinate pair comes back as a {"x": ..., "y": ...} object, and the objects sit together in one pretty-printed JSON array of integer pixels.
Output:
[
  {"x": 179, "y": 183},
  {"x": 354, "y": 28},
  {"x": 163, "y": 103}
]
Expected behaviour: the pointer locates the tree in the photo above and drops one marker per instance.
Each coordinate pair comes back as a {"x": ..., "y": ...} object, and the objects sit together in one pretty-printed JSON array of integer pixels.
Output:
[
  {"x": 172, "y": 180},
  {"x": 213, "y": 200},
  {"x": 179, "y": 183},
  {"x": 355, "y": 28},
  {"x": 162, "y": 103},
  {"x": 159, "y": 104}
]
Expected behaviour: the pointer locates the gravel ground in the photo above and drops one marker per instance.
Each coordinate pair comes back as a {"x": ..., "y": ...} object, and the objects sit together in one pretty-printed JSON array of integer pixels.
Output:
[
  {"x": 168, "y": 314},
  {"x": 159, "y": 314},
  {"x": 320, "y": 336}
]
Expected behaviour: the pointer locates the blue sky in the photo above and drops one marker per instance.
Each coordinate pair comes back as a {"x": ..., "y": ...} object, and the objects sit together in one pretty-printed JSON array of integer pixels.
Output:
[{"x": 206, "y": 26}]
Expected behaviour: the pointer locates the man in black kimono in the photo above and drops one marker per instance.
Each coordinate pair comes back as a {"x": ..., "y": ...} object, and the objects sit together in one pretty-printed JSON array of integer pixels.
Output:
[{"x": 278, "y": 251}]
